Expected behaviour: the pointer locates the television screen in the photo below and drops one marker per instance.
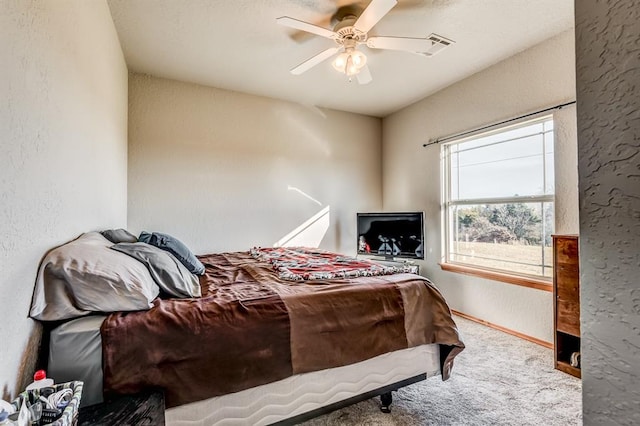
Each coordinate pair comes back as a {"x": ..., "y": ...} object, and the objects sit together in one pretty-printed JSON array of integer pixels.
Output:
[{"x": 391, "y": 235}]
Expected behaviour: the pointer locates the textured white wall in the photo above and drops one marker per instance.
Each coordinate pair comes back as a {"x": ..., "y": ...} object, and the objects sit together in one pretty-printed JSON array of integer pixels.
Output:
[
  {"x": 566, "y": 171},
  {"x": 608, "y": 86},
  {"x": 225, "y": 171},
  {"x": 539, "y": 77},
  {"x": 63, "y": 148}
]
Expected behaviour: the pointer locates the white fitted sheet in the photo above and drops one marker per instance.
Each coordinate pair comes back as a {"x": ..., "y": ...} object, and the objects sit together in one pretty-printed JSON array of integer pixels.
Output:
[{"x": 75, "y": 353}]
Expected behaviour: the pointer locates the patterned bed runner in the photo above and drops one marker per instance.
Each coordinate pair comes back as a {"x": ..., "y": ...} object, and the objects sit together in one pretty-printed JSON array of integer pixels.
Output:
[{"x": 302, "y": 263}]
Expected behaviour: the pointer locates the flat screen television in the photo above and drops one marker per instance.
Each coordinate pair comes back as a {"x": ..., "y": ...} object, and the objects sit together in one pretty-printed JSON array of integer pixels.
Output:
[{"x": 391, "y": 235}]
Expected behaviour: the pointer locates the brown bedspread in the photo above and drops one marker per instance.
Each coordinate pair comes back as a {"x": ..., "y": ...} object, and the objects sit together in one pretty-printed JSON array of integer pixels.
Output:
[{"x": 251, "y": 328}]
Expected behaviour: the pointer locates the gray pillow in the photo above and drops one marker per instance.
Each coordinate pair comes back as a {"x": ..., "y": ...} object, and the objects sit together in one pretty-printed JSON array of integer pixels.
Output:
[
  {"x": 85, "y": 276},
  {"x": 176, "y": 248},
  {"x": 167, "y": 271},
  {"x": 119, "y": 236}
]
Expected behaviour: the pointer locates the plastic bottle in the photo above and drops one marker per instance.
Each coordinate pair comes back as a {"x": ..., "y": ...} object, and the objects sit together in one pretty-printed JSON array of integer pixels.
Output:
[{"x": 40, "y": 380}]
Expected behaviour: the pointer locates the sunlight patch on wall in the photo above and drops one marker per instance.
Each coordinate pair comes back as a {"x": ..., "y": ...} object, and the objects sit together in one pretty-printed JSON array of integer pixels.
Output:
[{"x": 310, "y": 233}]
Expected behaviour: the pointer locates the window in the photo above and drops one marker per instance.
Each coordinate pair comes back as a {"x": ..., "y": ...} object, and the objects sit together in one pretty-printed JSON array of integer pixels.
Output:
[{"x": 499, "y": 200}]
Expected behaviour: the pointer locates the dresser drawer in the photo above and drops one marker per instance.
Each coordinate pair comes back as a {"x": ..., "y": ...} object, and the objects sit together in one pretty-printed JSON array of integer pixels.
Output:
[
  {"x": 566, "y": 250},
  {"x": 568, "y": 317},
  {"x": 567, "y": 285}
]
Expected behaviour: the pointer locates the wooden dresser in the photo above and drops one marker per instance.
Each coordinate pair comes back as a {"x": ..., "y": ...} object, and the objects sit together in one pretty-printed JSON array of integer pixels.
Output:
[{"x": 566, "y": 304}]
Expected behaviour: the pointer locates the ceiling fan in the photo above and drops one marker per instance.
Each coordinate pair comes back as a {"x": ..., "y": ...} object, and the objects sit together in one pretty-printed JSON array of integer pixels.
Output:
[{"x": 351, "y": 31}]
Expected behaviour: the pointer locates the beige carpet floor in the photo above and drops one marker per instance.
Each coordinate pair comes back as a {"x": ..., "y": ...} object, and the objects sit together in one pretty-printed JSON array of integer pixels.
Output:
[{"x": 498, "y": 379}]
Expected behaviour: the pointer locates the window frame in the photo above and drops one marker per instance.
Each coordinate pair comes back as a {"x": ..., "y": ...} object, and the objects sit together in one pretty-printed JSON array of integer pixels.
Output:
[{"x": 512, "y": 277}]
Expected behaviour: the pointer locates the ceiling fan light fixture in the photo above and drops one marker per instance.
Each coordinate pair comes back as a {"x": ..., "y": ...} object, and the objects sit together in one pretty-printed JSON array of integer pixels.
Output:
[
  {"x": 350, "y": 62},
  {"x": 351, "y": 30}
]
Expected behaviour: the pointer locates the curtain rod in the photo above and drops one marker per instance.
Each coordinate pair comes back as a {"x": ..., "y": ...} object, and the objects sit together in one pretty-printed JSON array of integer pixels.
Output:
[{"x": 440, "y": 140}]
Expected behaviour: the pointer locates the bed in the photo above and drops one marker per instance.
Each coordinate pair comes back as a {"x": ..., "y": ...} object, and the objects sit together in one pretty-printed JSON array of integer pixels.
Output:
[{"x": 275, "y": 336}]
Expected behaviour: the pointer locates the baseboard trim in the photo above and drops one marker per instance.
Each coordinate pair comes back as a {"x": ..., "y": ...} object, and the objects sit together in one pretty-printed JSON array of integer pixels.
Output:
[{"x": 548, "y": 345}]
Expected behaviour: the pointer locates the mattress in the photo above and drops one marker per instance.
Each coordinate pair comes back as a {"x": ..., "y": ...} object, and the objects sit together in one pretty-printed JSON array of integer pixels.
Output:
[{"x": 75, "y": 353}]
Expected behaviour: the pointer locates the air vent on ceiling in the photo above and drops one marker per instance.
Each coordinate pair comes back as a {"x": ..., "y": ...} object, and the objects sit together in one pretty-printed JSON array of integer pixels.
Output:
[{"x": 438, "y": 43}]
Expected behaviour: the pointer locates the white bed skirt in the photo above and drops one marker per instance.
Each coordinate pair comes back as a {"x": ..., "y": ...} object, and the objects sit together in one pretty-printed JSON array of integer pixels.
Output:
[{"x": 299, "y": 394}]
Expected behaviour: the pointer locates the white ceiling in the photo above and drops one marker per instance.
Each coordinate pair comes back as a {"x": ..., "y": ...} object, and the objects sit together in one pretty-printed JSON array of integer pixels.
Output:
[{"x": 237, "y": 45}]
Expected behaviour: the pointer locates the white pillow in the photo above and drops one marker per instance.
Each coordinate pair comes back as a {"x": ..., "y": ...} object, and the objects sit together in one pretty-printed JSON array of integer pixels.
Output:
[{"x": 85, "y": 276}]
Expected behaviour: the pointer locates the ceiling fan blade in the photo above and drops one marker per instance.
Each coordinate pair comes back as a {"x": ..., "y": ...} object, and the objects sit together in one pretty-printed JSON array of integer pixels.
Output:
[
  {"x": 315, "y": 60},
  {"x": 305, "y": 26},
  {"x": 364, "y": 76},
  {"x": 400, "y": 43},
  {"x": 374, "y": 13}
]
